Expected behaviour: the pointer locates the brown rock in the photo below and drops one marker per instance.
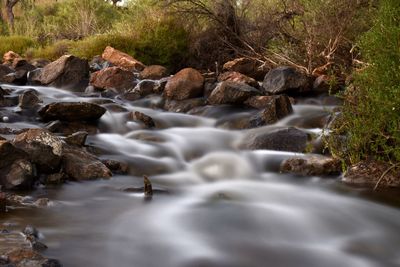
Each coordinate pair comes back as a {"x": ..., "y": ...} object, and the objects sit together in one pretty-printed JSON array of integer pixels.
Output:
[
  {"x": 10, "y": 56},
  {"x": 77, "y": 139},
  {"x": 71, "y": 111},
  {"x": 68, "y": 128},
  {"x": 3, "y": 202},
  {"x": 4, "y": 70},
  {"x": 43, "y": 148},
  {"x": 67, "y": 72},
  {"x": 122, "y": 60},
  {"x": 184, "y": 106},
  {"x": 145, "y": 119},
  {"x": 29, "y": 99},
  {"x": 153, "y": 72},
  {"x": 245, "y": 66},
  {"x": 370, "y": 172},
  {"x": 114, "y": 79},
  {"x": 311, "y": 165},
  {"x": 79, "y": 165},
  {"x": 187, "y": 83},
  {"x": 40, "y": 62},
  {"x": 259, "y": 102},
  {"x": 231, "y": 93},
  {"x": 116, "y": 166},
  {"x": 142, "y": 89},
  {"x": 276, "y": 108},
  {"x": 237, "y": 77}
]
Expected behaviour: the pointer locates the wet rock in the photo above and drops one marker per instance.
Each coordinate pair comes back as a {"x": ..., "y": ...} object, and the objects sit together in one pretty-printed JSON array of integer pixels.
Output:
[
  {"x": 311, "y": 165},
  {"x": 79, "y": 165},
  {"x": 4, "y": 70},
  {"x": 15, "y": 170},
  {"x": 68, "y": 72},
  {"x": 10, "y": 56},
  {"x": 142, "y": 89},
  {"x": 71, "y": 111},
  {"x": 6, "y": 100},
  {"x": 237, "y": 77},
  {"x": 77, "y": 139},
  {"x": 373, "y": 173},
  {"x": 55, "y": 179},
  {"x": 29, "y": 99},
  {"x": 122, "y": 60},
  {"x": 113, "y": 79},
  {"x": 187, "y": 83},
  {"x": 184, "y": 106},
  {"x": 231, "y": 93},
  {"x": 30, "y": 230},
  {"x": 68, "y": 128},
  {"x": 153, "y": 72},
  {"x": 281, "y": 139},
  {"x": 148, "y": 188},
  {"x": 44, "y": 148},
  {"x": 276, "y": 108},
  {"x": 116, "y": 166},
  {"x": 98, "y": 63},
  {"x": 286, "y": 80},
  {"x": 3, "y": 202},
  {"x": 143, "y": 118},
  {"x": 243, "y": 65}
]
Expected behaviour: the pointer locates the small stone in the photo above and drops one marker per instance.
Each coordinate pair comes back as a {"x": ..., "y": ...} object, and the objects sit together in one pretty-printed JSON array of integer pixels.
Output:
[
  {"x": 29, "y": 99},
  {"x": 231, "y": 93},
  {"x": 77, "y": 139},
  {"x": 116, "y": 166},
  {"x": 145, "y": 119},
  {"x": 311, "y": 165},
  {"x": 153, "y": 72}
]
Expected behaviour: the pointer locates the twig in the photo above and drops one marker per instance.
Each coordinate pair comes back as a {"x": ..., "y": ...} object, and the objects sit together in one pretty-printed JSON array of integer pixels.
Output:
[{"x": 384, "y": 174}]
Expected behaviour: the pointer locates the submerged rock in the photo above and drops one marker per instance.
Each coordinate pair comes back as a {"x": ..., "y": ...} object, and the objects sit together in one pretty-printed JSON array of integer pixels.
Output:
[
  {"x": 71, "y": 111},
  {"x": 311, "y": 165},
  {"x": 122, "y": 59},
  {"x": 286, "y": 80},
  {"x": 44, "y": 148},
  {"x": 67, "y": 72},
  {"x": 143, "y": 118},
  {"x": 187, "y": 83},
  {"x": 114, "y": 79},
  {"x": 229, "y": 92}
]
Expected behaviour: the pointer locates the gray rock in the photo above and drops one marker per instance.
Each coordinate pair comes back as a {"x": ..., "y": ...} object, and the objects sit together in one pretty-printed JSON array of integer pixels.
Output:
[
  {"x": 231, "y": 93},
  {"x": 71, "y": 111},
  {"x": 286, "y": 80}
]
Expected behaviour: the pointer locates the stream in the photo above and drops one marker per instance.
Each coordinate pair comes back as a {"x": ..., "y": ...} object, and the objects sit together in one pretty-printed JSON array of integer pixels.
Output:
[{"x": 218, "y": 205}]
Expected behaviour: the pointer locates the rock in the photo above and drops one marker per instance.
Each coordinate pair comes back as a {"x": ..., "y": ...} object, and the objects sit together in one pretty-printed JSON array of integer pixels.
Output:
[
  {"x": 243, "y": 65},
  {"x": 285, "y": 80},
  {"x": 153, "y": 72},
  {"x": 40, "y": 62},
  {"x": 145, "y": 119},
  {"x": 370, "y": 172},
  {"x": 142, "y": 89},
  {"x": 259, "y": 102},
  {"x": 187, "y": 83},
  {"x": 68, "y": 128},
  {"x": 29, "y": 99},
  {"x": 10, "y": 56},
  {"x": 79, "y": 165},
  {"x": 55, "y": 179},
  {"x": 71, "y": 111},
  {"x": 77, "y": 139},
  {"x": 231, "y": 93},
  {"x": 311, "y": 166},
  {"x": 122, "y": 60},
  {"x": 184, "y": 106},
  {"x": 116, "y": 166},
  {"x": 3, "y": 202},
  {"x": 276, "y": 108},
  {"x": 281, "y": 139},
  {"x": 68, "y": 72},
  {"x": 237, "y": 77},
  {"x": 4, "y": 70},
  {"x": 98, "y": 63},
  {"x": 43, "y": 148},
  {"x": 16, "y": 172},
  {"x": 114, "y": 79}
]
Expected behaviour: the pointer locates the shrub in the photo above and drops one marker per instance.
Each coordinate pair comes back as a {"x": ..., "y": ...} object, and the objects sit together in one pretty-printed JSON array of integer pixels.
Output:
[
  {"x": 18, "y": 44},
  {"x": 372, "y": 108},
  {"x": 53, "y": 51}
]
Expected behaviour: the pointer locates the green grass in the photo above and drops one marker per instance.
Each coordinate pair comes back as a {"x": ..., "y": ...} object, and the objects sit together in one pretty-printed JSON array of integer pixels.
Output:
[{"x": 18, "y": 44}]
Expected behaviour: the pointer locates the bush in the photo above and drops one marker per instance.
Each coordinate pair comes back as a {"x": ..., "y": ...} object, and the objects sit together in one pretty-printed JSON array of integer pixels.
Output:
[
  {"x": 372, "y": 108},
  {"x": 53, "y": 51},
  {"x": 18, "y": 44}
]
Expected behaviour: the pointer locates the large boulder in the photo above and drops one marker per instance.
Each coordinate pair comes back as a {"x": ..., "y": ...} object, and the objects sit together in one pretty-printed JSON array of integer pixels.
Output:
[
  {"x": 276, "y": 108},
  {"x": 44, "y": 148},
  {"x": 286, "y": 80},
  {"x": 231, "y": 93},
  {"x": 114, "y": 79},
  {"x": 122, "y": 60},
  {"x": 71, "y": 111},
  {"x": 16, "y": 171},
  {"x": 372, "y": 173},
  {"x": 79, "y": 165},
  {"x": 311, "y": 165},
  {"x": 237, "y": 77},
  {"x": 153, "y": 72},
  {"x": 187, "y": 83},
  {"x": 68, "y": 72},
  {"x": 281, "y": 139}
]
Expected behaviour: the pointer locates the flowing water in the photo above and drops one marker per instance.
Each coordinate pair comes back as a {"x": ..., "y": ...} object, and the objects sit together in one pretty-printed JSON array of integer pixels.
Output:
[{"x": 218, "y": 205}]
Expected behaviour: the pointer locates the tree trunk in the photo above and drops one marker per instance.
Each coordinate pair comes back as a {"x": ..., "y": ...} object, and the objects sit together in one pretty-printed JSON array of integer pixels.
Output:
[{"x": 10, "y": 14}]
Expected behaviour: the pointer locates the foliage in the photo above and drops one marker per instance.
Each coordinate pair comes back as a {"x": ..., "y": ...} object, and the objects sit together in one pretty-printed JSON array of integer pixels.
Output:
[
  {"x": 371, "y": 111},
  {"x": 18, "y": 44}
]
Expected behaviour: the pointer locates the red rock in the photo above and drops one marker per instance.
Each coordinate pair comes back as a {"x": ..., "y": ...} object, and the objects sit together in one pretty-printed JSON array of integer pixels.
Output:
[
  {"x": 234, "y": 76},
  {"x": 187, "y": 83},
  {"x": 122, "y": 59},
  {"x": 114, "y": 79},
  {"x": 10, "y": 56},
  {"x": 154, "y": 72}
]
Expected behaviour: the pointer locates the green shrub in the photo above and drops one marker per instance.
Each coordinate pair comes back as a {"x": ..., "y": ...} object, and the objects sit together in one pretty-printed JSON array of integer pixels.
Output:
[
  {"x": 18, "y": 44},
  {"x": 372, "y": 108},
  {"x": 53, "y": 51}
]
